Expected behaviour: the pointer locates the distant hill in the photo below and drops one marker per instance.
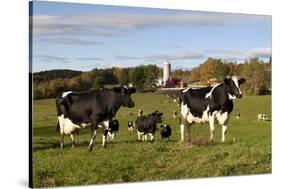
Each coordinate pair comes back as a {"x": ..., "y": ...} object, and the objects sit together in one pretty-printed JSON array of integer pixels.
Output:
[{"x": 55, "y": 74}]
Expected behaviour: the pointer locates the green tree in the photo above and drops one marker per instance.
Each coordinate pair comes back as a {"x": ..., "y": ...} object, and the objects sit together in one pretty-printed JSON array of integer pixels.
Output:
[
  {"x": 253, "y": 72},
  {"x": 124, "y": 76},
  {"x": 137, "y": 77},
  {"x": 221, "y": 70},
  {"x": 98, "y": 82},
  {"x": 150, "y": 74}
]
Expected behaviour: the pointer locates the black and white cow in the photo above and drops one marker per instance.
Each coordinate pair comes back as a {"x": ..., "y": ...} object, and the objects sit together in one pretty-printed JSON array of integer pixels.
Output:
[
  {"x": 166, "y": 131},
  {"x": 147, "y": 125},
  {"x": 207, "y": 104},
  {"x": 262, "y": 117},
  {"x": 93, "y": 107},
  {"x": 237, "y": 115},
  {"x": 113, "y": 129},
  {"x": 131, "y": 125},
  {"x": 140, "y": 112}
]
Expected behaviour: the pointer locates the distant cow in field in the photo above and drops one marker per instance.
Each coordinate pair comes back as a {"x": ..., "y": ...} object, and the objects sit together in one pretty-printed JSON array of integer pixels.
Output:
[
  {"x": 140, "y": 112},
  {"x": 131, "y": 125},
  {"x": 238, "y": 115},
  {"x": 175, "y": 114},
  {"x": 262, "y": 117},
  {"x": 207, "y": 104},
  {"x": 166, "y": 131},
  {"x": 147, "y": 125},
  {"x": 93, "y": 107}
]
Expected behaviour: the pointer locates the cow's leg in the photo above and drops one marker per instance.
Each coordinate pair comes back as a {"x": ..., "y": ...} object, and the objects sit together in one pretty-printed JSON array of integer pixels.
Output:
[
  {"x": 139, "y": 135},
  {"x": 72, "y": 140},
  {"x": 223, "y": 119},
  {"x": 188, "y": 129},
  {"x": 106, "y": 125},
  {"x": 61, "y": 142},
  {"x": 93, "y": 135},
  {"x": 212, "y": 126},
  {"x": 151, "y": 136},
  {"x": 224, "y": 129},
  {"x": 104, "y": 137}
]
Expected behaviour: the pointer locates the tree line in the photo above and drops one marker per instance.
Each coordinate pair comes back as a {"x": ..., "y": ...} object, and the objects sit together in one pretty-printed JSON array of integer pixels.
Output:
[
  {"x": 256, "y": 72},
  {"x": 48, "y": 84}
]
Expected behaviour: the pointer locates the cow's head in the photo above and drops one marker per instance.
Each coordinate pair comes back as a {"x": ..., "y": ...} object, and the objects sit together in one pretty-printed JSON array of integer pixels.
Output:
[
  {"x": 125, "y": 95},
  {"x": 233, "y": 86},
  {"x": 157, "y": 117}
]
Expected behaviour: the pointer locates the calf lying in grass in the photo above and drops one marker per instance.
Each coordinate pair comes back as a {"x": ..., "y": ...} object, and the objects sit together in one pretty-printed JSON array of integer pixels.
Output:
[{"x": 147, "y": 125}]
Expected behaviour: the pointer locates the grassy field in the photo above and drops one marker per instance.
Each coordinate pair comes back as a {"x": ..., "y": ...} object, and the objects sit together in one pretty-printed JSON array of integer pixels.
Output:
[{"x": 247, "y": 149}]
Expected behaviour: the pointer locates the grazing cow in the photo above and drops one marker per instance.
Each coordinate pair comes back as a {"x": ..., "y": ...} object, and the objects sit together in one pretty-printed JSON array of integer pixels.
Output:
[
  {"x": 140, "y": 112},
  {"x": 207, "y": 104},
  {"x": 131, "y": 125},
  {"x": 93, "y": 107},
  {"x": 262, "y": 117},
  {"x": 175, "y": 114},
  {"x": 238, "y": 115},
  {"x": 166, "y": 131},
  {"x": 147, "y": 125}
]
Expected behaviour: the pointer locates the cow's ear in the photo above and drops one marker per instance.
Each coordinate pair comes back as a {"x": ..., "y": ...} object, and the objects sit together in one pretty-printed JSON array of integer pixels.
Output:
[
  {"x": 241, "y": 81},
  {"x": 160, "y": 114},
  {"x": 117, "y": 89},
  {"x": 132, "y": 90}
]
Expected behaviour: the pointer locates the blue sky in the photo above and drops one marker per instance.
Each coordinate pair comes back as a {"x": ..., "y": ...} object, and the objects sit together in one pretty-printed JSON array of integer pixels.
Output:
[{"x": 86, "y": 36}]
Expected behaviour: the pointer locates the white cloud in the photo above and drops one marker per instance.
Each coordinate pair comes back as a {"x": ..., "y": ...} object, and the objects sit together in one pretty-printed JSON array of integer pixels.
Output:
[
  {"x": 50, "y": 58},
  {"x": 89, "y": 59},
  {"x": 237, "y": 55},
  {"x": 69, "y": 41},
  {"x": 183, "y": 55},
  {"x": 118, "y": 23},
  {"x": 260, "y": 52}
]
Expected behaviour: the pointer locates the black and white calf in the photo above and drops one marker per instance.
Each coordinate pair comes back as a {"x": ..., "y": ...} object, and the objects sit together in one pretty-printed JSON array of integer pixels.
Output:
[
  {"x": 262, "y": 117},
  {"x": 113, "y": 129},
  {"x": 147, "y": 125},
  {"x": 140, "y": 112},
  {"x": 238, "y": 115},
  {"x": 175, "y": 114},
  {"x": 93, "y": 107},
  {"x": 207, "y": 104},
  {"x": 166, "y": 131},
  {"x": 131, "y": 125}
]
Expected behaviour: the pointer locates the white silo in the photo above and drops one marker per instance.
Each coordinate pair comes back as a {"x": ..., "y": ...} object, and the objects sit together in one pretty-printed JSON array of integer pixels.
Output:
[{"x": 166, "y": 71}]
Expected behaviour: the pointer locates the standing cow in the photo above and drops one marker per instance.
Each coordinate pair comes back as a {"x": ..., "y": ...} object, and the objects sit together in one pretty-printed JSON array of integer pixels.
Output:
[
  {"x": 207, "y": 104},
  {"x": 147, "y": 125},
  {"x": 93, "y": 107}
]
